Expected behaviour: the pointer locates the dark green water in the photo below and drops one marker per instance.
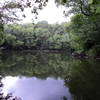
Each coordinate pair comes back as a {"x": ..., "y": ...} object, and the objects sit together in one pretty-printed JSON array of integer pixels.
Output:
[{"x": 49, "y": 76}]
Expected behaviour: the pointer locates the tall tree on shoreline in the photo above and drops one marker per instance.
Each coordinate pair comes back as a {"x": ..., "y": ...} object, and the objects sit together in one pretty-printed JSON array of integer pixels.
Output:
[{"x": 86, "y": 7}]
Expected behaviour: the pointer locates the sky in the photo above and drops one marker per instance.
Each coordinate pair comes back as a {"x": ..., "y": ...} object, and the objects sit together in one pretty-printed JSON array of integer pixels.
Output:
[{"x": 50, "y": 13}]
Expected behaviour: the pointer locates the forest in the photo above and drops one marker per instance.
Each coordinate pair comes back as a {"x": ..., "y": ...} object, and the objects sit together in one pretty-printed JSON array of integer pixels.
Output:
[
  {"x": 81, "y": 34},
  {"x": 21, "y": 46},
  {"x": 35, "y": 36}
]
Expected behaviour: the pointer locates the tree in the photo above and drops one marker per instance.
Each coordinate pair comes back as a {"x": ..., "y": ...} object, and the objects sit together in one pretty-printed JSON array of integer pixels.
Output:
[
  {"x": 41, "y": 36},
  {"x": 9, "y": 9},
  {"x": 86, "y": 7},
  {"x": 84, "y": 33}
]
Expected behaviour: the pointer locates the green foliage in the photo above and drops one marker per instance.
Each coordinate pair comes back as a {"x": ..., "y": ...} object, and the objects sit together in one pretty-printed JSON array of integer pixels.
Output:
[
  {"x": 38, "y": 36},
  {"x": 84, "y": 32},
  {"x": 11, "y": 39},
  {"x": 95, "y": 51},
  {"x": 85, "y": 7},
  {"x": 1, "y": 34}
]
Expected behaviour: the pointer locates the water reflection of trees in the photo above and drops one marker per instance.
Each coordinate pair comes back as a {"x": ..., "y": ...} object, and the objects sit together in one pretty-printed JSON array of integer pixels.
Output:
[
  {"x": 41, "y": 65},
  {"x": 81, "y": 76},
  {"x": 84, "y": 80}
]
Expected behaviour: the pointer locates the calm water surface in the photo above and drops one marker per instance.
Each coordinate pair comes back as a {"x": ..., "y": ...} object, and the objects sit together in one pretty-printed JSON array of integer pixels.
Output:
[
  {"x": 32, "y": 88},
  {"x": 49, "y": 76}
]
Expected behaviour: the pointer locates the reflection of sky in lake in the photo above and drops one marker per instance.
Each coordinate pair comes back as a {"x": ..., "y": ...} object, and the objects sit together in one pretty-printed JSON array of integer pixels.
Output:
[{"x": 36, "y": 89}]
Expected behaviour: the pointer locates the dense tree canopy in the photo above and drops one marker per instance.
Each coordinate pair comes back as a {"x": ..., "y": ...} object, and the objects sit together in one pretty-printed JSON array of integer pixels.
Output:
[
  {"x": 86, "y": 7},
  {"x": 82, "y": 32},
  {"x": 38, "y": 36},
  {"x": 84, "y": 27}
]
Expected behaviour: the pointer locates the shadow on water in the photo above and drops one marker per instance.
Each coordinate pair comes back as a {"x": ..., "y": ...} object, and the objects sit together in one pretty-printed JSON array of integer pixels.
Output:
[
  {"x": 84, "y": 80},
  {"x": 79, "y": 78}
]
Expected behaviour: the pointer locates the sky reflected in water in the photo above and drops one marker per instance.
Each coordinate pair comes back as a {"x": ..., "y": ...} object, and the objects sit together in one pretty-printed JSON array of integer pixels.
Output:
[{"x": 36, "y": 89}]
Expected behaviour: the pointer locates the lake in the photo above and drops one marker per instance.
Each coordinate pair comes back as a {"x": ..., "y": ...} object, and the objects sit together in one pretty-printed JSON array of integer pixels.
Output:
[{"x": 49, "y": 76}]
